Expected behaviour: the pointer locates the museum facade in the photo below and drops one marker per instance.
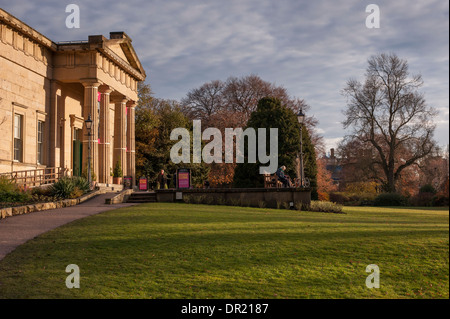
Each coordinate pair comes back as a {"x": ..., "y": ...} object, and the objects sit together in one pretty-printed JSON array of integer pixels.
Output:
[{"x": 49, "y": 89}]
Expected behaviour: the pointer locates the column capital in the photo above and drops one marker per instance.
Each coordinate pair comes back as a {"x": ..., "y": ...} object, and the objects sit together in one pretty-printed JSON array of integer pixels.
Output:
[
  {"x": 105, "y": 89},
  {"x": 90, "y": 83},
  {"x": 131, "y": 103},
  {"x": 124, "y": 100}
]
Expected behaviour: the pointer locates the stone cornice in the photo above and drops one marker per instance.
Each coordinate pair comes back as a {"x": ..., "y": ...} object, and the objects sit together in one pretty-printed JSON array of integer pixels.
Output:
[{"x": 23, "y": 28}]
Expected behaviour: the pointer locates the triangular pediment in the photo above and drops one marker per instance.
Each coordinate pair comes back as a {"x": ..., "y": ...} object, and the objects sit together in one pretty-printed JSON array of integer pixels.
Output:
[
  {"x": 120, "y": 44},
  {"x": 117, "y": 49}
]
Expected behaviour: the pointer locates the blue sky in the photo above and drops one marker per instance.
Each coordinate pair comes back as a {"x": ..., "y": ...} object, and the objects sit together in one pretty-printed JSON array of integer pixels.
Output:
[{"x": 310, "y": 47}]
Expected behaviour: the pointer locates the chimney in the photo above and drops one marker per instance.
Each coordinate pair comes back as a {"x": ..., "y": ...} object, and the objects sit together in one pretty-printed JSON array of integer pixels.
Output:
[{"x": 332, "y": 153}]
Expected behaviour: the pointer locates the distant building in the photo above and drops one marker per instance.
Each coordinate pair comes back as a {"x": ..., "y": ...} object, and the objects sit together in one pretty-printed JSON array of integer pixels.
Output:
[
  {"x": 333, "y": 166},
  {"x": 48, "y": 90}
]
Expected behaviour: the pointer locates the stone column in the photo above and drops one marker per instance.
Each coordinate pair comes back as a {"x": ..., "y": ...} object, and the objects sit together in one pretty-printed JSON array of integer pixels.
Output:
[
  {"x": 120, "y": 134},
  {"x": 53, "y": 142},
  {"x": 104, "y": 147},
  {"x": 131, "y": 162},
  {"x": 90, "y": 107}
]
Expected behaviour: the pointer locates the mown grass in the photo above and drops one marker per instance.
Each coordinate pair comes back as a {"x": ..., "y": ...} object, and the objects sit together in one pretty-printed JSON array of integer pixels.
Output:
[{"x": 166, "y": 250}]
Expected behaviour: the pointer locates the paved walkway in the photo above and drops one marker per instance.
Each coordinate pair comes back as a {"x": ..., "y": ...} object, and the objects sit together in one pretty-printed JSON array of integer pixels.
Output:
[{"x": 17, "y": 230}]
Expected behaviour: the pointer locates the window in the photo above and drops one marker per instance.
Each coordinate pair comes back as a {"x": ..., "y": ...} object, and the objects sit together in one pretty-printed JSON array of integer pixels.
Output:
[
  {"x": 18, "y": 141},
  {"x": 40, "y": 142}
]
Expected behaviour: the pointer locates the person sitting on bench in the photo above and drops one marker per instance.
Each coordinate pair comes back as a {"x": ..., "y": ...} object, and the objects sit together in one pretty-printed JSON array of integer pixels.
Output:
[{"x": 282, "y": 177}]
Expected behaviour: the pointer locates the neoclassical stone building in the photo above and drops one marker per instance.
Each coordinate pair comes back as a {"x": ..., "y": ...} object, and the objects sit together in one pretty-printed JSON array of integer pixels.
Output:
[{"x": 48, "y": 90}]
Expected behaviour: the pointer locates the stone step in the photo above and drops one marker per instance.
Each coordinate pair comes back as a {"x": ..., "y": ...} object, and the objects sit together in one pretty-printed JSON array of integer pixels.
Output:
[
  {"x": 142, "y": 197},
  {"x": 109, "y": 187}
]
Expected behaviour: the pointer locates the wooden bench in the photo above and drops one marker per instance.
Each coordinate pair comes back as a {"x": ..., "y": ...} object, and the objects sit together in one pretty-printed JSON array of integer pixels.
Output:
[{"x": 272, "y": 181}]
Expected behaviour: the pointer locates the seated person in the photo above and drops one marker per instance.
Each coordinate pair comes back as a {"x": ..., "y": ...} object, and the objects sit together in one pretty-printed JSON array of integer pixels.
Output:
[{"x": 282, "y": 177}]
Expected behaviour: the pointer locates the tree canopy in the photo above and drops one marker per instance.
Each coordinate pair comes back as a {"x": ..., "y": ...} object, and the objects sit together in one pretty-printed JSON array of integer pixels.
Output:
[
  {"x": 271, "y": 113},
  {"x": 389, "y": 113},
  {"x": 155, "y": 120}
]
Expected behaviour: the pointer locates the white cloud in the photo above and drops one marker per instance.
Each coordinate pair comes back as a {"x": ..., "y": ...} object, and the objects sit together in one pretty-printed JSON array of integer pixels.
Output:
[{"x": 309, "y": 47}]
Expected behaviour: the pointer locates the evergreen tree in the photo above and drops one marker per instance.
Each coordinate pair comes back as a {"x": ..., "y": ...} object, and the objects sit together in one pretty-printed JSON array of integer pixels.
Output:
[{"x": 270, "y": 113}]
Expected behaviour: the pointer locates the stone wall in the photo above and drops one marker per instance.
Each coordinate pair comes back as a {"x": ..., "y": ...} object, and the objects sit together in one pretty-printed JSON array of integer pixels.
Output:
[
  {"x": 254, "y": 197},
  {"x": 19, "y": 210}
]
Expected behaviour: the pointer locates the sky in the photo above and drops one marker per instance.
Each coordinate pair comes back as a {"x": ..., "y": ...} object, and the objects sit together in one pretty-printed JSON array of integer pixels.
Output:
[{"x": 312, "y": 48}]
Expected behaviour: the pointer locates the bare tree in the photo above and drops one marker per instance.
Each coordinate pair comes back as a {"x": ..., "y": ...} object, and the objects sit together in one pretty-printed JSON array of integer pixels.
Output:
[
  {"x": 204, "y": 101},
  {"x": 388, "y": 112}
]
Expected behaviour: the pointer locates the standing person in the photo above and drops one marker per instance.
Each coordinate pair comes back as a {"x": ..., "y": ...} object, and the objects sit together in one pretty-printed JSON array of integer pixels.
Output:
[
  {"x": 282, "y": 177},
  {"x": 162, "y": 179}
]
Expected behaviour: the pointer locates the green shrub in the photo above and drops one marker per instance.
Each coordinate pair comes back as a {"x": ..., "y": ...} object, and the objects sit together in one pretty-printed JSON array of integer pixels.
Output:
[
  {"x": 427, "y": 189},
  {"x": 10, "y": 193},
  {"x": 187, "y": 199},
  {"x": 325, "y": 207},
  {"x": 422, "y": 199},
  {"x": 390, "y": 199},
  {"x": 6, "y": 185},
  {"x": 41, "y": 191},
  {"x": 63, "y": 188},
  {"x": 298, "y": 206},
  {"x": 70, "y": 187},
  {"x": 199, "y": 199},
  {"x": 76, "y": 193},
  {"x": 118, "y": 170},
  {"x": 440, "y": 200},
  {"x": 339, "y": 197},
  {"x": 234, "y": 202},
  {"x": 353, "y": 199},
  {"x": 285, "y": 205},
  {"x": 81, "y": 183}
]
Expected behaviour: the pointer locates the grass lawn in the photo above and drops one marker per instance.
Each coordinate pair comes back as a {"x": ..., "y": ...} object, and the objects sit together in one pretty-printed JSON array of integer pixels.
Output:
[{"x": 166, "y": 250}]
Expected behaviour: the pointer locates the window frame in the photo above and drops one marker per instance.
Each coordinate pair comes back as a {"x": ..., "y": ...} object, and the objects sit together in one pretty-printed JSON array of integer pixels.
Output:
[{"x": 18, "y": 139}]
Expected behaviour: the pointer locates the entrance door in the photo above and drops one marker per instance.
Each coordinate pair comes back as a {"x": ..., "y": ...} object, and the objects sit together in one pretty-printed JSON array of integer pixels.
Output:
[{"x": 77, "y": 152}]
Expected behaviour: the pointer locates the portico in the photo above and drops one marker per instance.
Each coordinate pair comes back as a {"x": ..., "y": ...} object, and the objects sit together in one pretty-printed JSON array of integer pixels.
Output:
[{"x": 51, "y": 90}]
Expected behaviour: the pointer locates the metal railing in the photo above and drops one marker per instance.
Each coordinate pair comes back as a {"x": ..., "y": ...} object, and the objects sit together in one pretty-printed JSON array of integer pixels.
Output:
[{"x": 36, "y": 177}]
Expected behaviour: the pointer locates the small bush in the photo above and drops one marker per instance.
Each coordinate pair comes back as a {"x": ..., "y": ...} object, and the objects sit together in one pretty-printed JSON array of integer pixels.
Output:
[
  {"x": 187, "y": 199},
  {"x": 70, "y": 187},
  {"x": 339, "y": 197},
  {"x": 298, "y": 206},
  {"x": 285, "y": 205},
  {"x": 390, "y": 199},
  {"x": 198, "y": 199},
  {"x": 118, "y": 170},
  {"x": 427, "y": 189},
  {"x": 279, "y": 204},
  {"x": 422, "y": 199},
  {"x": 63, "y": 188},
  {"x": 234, "y": 202},
  {"x": 41, "y": 191},
  {"x": 76, "y": 193},
  {"x": 440, "y": 200},
  {"x": 81, "y": 183},
  {"x": 353, "y": 199},
  {"x": 325, "y": 207},
  {"x": 261, "y": 204},
  {"x": 10, "y": 193}
]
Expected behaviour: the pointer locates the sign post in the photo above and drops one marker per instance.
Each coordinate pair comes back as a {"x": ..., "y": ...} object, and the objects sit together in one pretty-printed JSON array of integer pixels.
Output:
[
  {"x": 183, "y": 178},
  {"x": 143, "y": 185},
  {"x": 127, "y": 180}
]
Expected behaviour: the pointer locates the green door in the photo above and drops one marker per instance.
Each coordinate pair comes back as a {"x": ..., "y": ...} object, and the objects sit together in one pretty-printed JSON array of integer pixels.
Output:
[{"x": 77, "y": 157}]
